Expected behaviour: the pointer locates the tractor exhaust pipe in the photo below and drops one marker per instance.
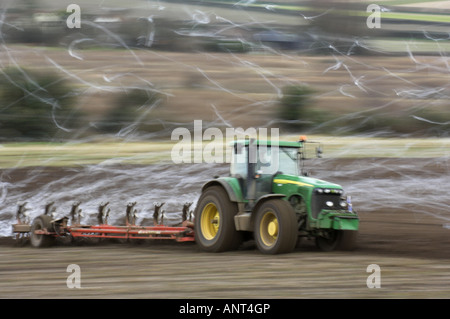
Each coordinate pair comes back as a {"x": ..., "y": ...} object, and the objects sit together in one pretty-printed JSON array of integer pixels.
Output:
[{"x": 251, "y": 172}]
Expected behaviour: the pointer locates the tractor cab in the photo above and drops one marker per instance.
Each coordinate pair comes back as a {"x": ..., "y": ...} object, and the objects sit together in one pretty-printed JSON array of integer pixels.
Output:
[{"x": 256, "y": 164}]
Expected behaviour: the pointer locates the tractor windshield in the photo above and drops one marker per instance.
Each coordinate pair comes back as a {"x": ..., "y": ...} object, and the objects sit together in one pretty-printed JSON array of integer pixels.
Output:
[
  {"x": 269, "y": 160},
  {"x": 288, "y": 161},
  {"x": 278, "y": 159}
]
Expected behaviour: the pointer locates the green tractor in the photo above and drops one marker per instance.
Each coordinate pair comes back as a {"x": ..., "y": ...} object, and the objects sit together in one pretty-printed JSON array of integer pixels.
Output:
[{"x": 269, "y": 197}]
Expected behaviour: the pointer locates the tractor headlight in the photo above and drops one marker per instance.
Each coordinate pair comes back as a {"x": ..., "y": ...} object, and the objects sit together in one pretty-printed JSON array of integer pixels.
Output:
[
  {"x": 329, "y": 191},
  {"x": 343, "y": 203}
]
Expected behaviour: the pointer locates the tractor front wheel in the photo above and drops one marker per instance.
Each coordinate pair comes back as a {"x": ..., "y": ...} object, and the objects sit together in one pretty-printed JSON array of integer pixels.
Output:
[
  {"x": 275, "y": 227},
  {"x": 337, "y": 240},
  {"x": 329, "y": 241},
  {"x": 214, "y": 226}
]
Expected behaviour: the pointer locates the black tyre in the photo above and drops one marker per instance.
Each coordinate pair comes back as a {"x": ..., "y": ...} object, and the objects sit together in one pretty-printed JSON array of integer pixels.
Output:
[
  {"x": 329, "y": 241},
  {"x": 214, "y": 226},
  {"x": 337, "y": 240},
  {"x": 275, "y": 227},
  {"x": 348, "y": 240},
  {"x": 39, "y": 240}
]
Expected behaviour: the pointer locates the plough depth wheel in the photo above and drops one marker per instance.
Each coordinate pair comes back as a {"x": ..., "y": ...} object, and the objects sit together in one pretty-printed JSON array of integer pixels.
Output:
[{"x": 41, "y": 223}]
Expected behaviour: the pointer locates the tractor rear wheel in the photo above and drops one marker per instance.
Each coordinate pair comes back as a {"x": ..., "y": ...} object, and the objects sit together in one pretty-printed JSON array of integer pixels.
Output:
[
  {"x": 40, "y": 240},
  {"x": 275, "y": 227},
  {"x": 214, "y": 226}
]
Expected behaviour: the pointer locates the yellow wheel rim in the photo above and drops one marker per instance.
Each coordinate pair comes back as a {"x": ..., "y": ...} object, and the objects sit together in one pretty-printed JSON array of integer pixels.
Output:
[
  {"x": 268, "y": 229},
  {"x": 210, "y": 221}
]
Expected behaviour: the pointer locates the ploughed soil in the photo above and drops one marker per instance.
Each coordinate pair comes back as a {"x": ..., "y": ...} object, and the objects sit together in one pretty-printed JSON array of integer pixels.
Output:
[{"x": 408, "y": 239}]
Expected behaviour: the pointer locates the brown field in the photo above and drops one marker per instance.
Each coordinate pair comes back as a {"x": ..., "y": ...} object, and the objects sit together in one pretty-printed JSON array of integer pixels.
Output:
[
  {"x": 406, "y": 239},
  {"x": 242, "y": 90}
]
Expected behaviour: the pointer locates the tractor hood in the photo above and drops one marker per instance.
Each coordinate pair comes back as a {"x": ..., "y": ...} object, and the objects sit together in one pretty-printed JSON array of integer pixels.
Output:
[{"x": 303, "y": 181}]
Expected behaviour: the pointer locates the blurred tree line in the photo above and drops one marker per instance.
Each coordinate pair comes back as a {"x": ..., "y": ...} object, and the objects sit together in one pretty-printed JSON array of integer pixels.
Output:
[
  {"x": 35, "y": 105},
  {"x": 297, "y": 111},
  {"x": 42, "y": 105}
]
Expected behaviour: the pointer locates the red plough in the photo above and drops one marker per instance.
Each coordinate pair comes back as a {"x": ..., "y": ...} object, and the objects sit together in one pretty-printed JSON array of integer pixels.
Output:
[{"x": 44, "y": 230}]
